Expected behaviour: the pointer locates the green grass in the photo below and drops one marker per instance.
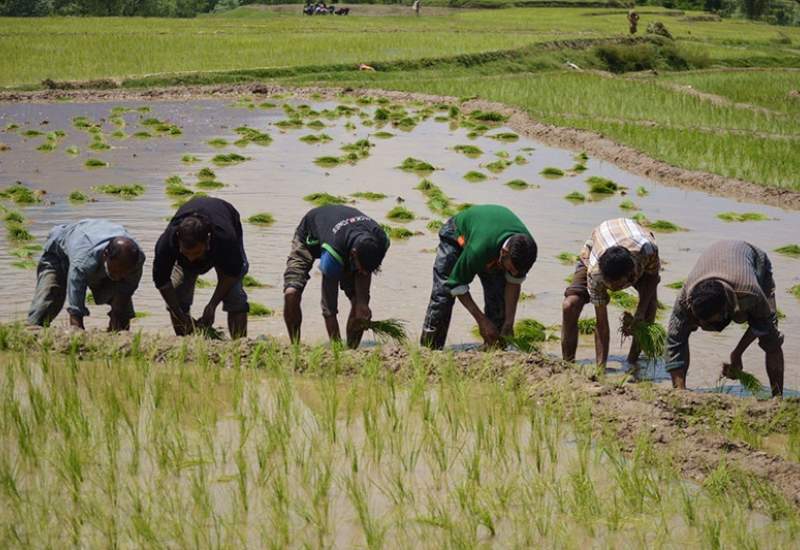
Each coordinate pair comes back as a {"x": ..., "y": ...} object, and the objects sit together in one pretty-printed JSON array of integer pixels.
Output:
[
  {"x": 396, "y": 233},
  {"x": 209, "y": 184},
  {"x": 322, "y": 199},
  {"x": 260, "y": 310},
  {"x": 248, "y": 281},
  {"x": 262, "y": 218},
  {"x": 122, "y": 191},
  {"x": 400, "y": 214},
  {"x": 20, "y": 194},
  {"x": 369, "y": 195},
  {"x": 677, "y": 285},
  {"x": 791, "y": 250},
  {"x": 742, "y": 217},
  {"x": 795, "y": 290},
  {"x": 602, "y": 186}
]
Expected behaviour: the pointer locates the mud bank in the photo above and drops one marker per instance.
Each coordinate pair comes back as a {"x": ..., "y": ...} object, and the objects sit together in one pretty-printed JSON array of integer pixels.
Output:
[
  {"x": 690, "y": 427},
  {"x": 595, "y": 144}
]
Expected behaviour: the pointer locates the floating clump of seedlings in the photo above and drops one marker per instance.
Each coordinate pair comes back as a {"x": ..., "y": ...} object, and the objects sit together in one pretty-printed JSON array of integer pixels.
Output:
[
  {"x": 602, "y": 186},
  {"x": 290, "y": 124},
  {"x": 519, "y": 160},
  {"x": 357, "y": 150},
  {"x": 411, "y": 164},
  {"x": 95, "y": 163},
  {"x": 119, "y": 134},
  {"x": 248, "y": 281},
  {"x": 369, "y": 195},
  {"x": 641, "y": 191},
  {"x": 400, "y": 214},
  {"x": 473, "y": 176},
  {"x": 506, "y": 137},
  {"x": 576, "y": 197},
  {"x": 228, "y": 159},
  {"x": 792, "y": 250},
  {"x": 322, "y": 199},
  {"x": 437, "y": 202},
  {"x": 383, "y": 135},
  {"x": 13, "y": 217},
  {"x": 180, "y": 200},
  {"x": 259, "y": 310},
  {"x": 587, "y": 326},
  {"x": 20, "y": 194},
  {"x": 142, "y": 135},
  {"x": 209, "y": 184},
  {"x": 78, "y": 197},
  {"x": 12, "y": 127},
  {"x": 579, "y": 168},
  {"x": 518, "y": 184},
  {"x": 397, "y": 233},
  {"x": 628, "y": 205},
  {"x": 206, "y": 173},
  {"x": 470, "y": 151},
  {"x": 405, "y": 124},
  {"x": 795, "y": 290},
  {"x": 742, "y": 217},
  {"x": 487, "y": 116},
  {"x": 17, "y": 232},
  {"x": 677, "y": 285},
  {"x": 327, "y": 161},
  {"x": 99, "y": 145},
  {"x": 316, "y": 138},
  {"x": 497, "y": 166},
  {"x": 32, "y": 133},
  {"x": 251, "y": 135},
  {"x": 382, "y": 115},
  {"x": 551, "y": 172},
  {"x": 567, "y": 258},
  {"x": 219, "y": 143},
  {"x": 121, "y": 191},
  {"x": 189, "y": 159},
  {"x": 434, "y": 226},
  {"x": 389, "y": 329},
  {"x": 47, "y": 147},
  {"x": 176, "y": 188},
  {"x": 662, "y": 226},
  {"x": 262, "y": 218},
  {"x": 316, "y": 125},
  {"x": 72, "y": 150},
  {"x": 267, "y": 105}
]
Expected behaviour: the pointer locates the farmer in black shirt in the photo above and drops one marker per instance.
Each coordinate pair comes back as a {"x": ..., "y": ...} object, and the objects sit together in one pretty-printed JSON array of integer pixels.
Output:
[
  {"x": 205, "y": 233},
  {"x": 350, "y": 247}
]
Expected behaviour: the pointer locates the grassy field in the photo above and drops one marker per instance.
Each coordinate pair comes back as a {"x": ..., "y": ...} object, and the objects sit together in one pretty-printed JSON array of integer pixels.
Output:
[{"x": 348, "y": 453}]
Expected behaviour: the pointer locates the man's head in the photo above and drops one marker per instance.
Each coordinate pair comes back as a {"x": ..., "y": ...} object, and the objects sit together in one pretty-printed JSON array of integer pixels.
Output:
[
  {"x": 518, "y": 255},
  {"x": 194, "y": 237},
  {"x": 368, "y": 253},
  {"x": 120, "y": 257},
  {"x": 616, "y": 265},
  {"x": 709, "y": 304}
]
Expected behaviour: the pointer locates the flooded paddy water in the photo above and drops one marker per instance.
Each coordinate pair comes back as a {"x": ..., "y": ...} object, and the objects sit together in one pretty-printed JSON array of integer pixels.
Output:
[{"x": 277, "y": 176}]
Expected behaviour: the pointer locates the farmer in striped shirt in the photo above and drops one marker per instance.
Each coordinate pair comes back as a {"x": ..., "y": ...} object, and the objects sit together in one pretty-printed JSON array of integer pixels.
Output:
[
  {"x": 619, "y": 254},
  {"x": 731, "y": 281}
]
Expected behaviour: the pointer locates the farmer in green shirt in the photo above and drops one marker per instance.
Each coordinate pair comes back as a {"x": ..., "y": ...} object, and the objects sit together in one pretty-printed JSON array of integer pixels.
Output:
[{"x": 488, "y": 241}]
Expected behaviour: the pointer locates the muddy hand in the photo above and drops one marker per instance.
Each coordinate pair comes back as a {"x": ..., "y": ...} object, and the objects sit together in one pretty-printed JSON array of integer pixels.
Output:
[{"x": 628, "y": 321}]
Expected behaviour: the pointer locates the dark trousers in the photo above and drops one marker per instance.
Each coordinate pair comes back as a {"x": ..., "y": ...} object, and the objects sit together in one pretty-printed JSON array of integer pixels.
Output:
[{"x": 440, "y": 307}]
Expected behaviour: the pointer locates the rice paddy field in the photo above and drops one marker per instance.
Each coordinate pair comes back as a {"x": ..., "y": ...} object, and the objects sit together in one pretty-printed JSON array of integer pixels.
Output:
[{"x": 142, "y": 439}]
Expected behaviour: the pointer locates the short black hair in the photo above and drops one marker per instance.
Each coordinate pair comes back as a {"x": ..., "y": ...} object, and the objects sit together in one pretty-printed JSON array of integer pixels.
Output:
[
  {"x": 193, "y": 230},
  {"x": 371, "y": 249},
  {"x": 123, "y": 250},
  {"x": 616, "y": 262},
  {"x": 523, "y": 251},
  {"x": 708, "y": 298}
]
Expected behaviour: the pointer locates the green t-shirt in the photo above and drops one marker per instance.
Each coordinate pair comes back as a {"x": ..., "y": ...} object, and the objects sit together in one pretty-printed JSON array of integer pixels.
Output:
[{"x": 482, "y": 230}]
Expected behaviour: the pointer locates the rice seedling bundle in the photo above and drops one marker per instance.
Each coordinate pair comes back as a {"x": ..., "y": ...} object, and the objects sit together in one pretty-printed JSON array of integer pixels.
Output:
[{"x": 389, "y": 329}]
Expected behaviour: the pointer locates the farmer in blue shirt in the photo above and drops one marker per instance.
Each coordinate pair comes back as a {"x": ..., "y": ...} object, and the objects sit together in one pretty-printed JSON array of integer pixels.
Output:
[{"x": 95, "y": 254}]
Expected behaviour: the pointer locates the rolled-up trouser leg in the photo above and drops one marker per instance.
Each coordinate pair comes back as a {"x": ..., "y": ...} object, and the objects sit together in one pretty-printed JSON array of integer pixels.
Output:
[
  {"x": 494, "y": 297},
  {"x": 440, "y": 307},
  {"x": 50, "y": 293}
]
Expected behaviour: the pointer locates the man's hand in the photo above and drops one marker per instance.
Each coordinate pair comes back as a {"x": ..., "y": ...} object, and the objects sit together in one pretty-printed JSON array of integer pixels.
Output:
[
  {"x": 207, "y": 320},
  {"x": 628, "y": 322},
  {"x": 362, "y": 314},
  {"x": 731, "y": 370},
  {"x": 488, "y": 332}
]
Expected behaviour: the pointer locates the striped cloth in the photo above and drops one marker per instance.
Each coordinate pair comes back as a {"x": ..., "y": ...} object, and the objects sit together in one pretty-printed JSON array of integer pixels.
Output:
[{"x": 619, "y": 232}]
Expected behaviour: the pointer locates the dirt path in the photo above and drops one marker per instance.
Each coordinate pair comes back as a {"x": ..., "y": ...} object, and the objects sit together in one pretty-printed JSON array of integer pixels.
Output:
[
  {"x": 592, "y": 143},
  {"x": 679, "y": 423}
]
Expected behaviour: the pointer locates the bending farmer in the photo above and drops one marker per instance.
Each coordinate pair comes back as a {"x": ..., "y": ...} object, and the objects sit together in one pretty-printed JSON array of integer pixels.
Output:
[
  {"x": 350, "y": 247},
  {"x": 731, "y": 281},
  {"x": 205, "y": 233},
  {"x": 488, "y": 241},
  {"x": 94, "y": 254},
  {"x": 619, "y": 254}
]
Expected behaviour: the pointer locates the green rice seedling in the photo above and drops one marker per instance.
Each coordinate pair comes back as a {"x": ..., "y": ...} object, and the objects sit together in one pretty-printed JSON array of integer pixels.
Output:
[
  {"x": 210, "y": 184},
  {"x": 519, "y": 160},
  {"x": 405, "y": 124},
  {"x": 251, "y": 135},
  {"x": 677, "y": 285},
  {"x": 17, "y": 232},
  {"x": 32, "y": 133},
  {"x": 228, "y": 159},
  {"x": 663, "y": 226},
  {"x": 791, "y": 250},
  {"x": 576, "y": 197},
  {"x": 389, "y": 329},
  {"x": 742, "y": 217},
  {"x": 473, "y": 176},
  {"x": 248, "y": 281},
  {"x": 434, "y": 226},
  {"x": 581, "y": 157},
  {"x": 316, "y": 125},
  {"x": 119, "y": 134},
  {"x": 189, "y": 159},
  {"x": 369, "y": 195},
  {"x": 602, "y": 186},
  {"x": 795, "y": 290},
  {"x": 517, "y": 184},
  {"x": 567, "y": 258},
  {"x": 628, "y": 205},
  {"x": 204, "y": 283},
  {"x": 95, "y": 163},
  {"x": 218, "y": 143},
  {"x": 262, "y": 218},
  {"x": 525, "y": 296},
  {"x": 72, "y": 150},
  {"x": 316, "y": 138},
  {"x": 383, "y": 135},
  {"x": 623, "y": 299},
  {"x": 78, "y": 197},
  {"x": 20, "y": 194},
  {"x": 142, "y": 135},
  {"x": 12, "y": 127},
  {"x": 579, "y": 168},
  {"x": 176, "y": 188},
  {"x": 497, "y": 166},
  {"x": 267, "y": 105},
  {"x": 46, "y": 147},
  {"x": 259, "y": 310},
  {"x": 470, "y": 151},
  {"x": 528, "y": 334},
  {"x": 121, "y": 191},
  {"x": 651, "y": 337},
  {"x": 642, "y": 191},
  {"x": 397, "y": 233},
  {"x": 99, "y": 146},
  {"x": 504, "y": 137},
  {"x": 13, "y": 217},
  {"x": 410, "y": 164},
  {"x": 749, "y": 383},
  {"x": 487, "y": 116},
  {"x": 438, "y": 202},
  {"x": 587, "y": 326},
  {"x": 290, "y": 124},
  {"x": 322, "y": 199},
  {"x": 206, "y": 173},
  {"x": 24, "y": 263},
  {"x": 552, "y": 172},
  {"x": 400, "y": 214},
  {"x": 327, "y": 161}
]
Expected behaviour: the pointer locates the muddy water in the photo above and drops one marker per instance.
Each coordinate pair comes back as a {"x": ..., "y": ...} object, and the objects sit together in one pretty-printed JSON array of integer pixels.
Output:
[{"x": 278, "y": 176}]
